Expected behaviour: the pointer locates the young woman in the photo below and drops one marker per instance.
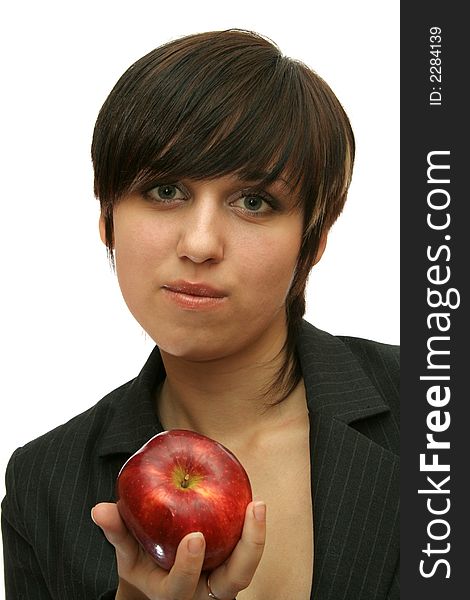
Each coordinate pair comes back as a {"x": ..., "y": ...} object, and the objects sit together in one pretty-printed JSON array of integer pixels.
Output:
[{"x": 220, "y": 166}]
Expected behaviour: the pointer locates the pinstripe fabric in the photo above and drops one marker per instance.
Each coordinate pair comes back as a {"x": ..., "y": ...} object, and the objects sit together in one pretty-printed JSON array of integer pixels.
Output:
[
  {"x": 54, "y": 551},
  {"x": 353, "y": 401}
]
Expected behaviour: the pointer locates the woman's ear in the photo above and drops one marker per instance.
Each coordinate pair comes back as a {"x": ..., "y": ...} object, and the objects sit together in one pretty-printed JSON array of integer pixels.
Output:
[
  {"x": 321, "y": 247},
  {"x": 102, "y": 226}
]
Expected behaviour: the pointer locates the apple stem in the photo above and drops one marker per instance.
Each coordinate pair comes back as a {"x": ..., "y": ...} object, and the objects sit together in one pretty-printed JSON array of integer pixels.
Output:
[{"x": 184, "y": 483}]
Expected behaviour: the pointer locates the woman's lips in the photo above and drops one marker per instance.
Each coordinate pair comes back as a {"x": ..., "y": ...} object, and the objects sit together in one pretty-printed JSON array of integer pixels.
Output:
[{"x": 194, "y": 295}]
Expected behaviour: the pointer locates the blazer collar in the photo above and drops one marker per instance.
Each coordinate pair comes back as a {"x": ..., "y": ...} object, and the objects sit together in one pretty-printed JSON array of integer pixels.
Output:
[
  {"x": 133, "y": 420},
  {"x": 355, "y": 481},
  {"x": 335, "y": 383}
]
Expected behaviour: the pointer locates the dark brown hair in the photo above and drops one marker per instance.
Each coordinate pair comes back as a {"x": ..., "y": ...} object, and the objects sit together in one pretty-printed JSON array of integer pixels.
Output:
[{"x": 226, "y": 102}]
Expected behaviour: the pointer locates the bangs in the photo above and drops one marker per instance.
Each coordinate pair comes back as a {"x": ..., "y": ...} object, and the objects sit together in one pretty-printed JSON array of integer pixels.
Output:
[
  {"x": 199, "y": 109},
  {"x": 250, "y": 129}
]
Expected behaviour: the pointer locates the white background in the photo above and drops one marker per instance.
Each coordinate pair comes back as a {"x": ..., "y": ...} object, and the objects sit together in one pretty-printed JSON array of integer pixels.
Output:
[{"x": 66, "y": 335}]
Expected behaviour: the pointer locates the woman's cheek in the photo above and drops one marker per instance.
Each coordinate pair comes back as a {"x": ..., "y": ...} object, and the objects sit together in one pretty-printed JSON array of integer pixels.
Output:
[{"x": 270, "y": 271}]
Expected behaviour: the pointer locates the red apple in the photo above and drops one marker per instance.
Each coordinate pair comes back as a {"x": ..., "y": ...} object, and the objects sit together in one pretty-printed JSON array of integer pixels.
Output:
[{"x": 179, "y": 482}]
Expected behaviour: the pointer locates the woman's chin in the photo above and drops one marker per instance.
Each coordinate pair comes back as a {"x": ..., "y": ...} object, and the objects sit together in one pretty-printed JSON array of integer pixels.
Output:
[
  {"x": 192, "y": 354},
  {"x": 194, "y": 349}
]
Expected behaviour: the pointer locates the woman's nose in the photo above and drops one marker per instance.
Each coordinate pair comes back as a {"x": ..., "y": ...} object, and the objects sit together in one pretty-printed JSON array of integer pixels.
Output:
[{"x": 201, "y": 237}]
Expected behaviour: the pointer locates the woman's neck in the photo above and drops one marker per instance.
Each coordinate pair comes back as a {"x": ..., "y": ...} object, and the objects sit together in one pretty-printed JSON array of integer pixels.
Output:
[{"x": 225, "y": 398}]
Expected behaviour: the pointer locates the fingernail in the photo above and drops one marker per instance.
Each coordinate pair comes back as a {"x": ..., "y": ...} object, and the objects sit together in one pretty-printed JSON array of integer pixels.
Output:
[
  {"x": 92, "y": 517},
  {"x": 259, "y": 511},
  {"x": 196, "y": 543}
]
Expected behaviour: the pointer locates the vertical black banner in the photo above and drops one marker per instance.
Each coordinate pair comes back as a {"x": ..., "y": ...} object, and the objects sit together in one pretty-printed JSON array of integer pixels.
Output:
[{"x": 435, "y": 259}]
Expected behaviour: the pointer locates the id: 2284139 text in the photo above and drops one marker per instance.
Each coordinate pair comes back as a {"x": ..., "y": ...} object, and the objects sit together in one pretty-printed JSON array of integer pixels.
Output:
[{"x": 435, "y": 66}]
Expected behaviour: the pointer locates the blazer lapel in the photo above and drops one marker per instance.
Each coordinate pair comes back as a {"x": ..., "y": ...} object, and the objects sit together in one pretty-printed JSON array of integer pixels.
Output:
[{"x": 354, "y": 479}]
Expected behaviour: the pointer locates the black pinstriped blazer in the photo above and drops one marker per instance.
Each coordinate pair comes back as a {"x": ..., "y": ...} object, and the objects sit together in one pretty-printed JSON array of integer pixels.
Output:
[{"x": 53, "y": 550}]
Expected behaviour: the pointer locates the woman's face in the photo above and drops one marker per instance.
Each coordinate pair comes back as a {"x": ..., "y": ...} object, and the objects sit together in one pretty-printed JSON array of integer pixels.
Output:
[{"x": 205, "y": 266}]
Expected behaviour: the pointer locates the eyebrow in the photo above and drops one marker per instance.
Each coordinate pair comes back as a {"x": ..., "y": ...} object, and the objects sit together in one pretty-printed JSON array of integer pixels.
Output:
[
  {"x": 259, "y": 178},
  {"x": 285, "y": 184}
]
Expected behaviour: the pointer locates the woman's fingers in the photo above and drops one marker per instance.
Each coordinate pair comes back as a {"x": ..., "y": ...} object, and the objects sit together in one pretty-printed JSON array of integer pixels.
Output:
[
  {"x": 106, "y": 516},
  {"x": 236, "y": 574},
  {"x": 182, "y": 580},
  {"x": 138, "y": 572}
]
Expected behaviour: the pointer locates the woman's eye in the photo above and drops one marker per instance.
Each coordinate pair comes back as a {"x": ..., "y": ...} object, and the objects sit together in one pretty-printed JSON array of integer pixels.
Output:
[
  {"x": 166, "y": 193},
  {"x": 253, "y": 203}
]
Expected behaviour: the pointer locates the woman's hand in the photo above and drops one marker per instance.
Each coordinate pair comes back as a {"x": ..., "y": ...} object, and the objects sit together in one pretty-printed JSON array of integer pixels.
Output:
[{"x": 140, "y": 578}]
